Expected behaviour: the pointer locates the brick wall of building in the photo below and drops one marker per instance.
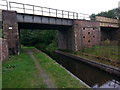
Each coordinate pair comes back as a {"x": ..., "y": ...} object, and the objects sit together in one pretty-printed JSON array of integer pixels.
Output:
[{"x": 3, "y": 49}]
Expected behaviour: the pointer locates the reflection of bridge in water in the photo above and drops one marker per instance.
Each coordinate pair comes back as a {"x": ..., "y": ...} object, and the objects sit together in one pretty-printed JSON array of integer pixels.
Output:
[{"x": 76, "y": 30}]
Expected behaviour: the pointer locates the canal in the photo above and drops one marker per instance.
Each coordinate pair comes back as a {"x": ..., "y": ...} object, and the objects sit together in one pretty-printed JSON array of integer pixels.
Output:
[{"x": 92, "y": 76}]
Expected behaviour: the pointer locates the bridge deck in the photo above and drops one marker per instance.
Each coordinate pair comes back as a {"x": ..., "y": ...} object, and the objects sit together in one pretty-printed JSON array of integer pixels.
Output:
[
  {"x": 30, "y": 18},
  {"x": 107, "y": 22},
  {"x": 27, "y": 13}
]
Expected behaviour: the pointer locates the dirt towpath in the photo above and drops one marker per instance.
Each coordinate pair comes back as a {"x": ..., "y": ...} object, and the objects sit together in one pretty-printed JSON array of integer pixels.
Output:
[{"x": 42, "y": 73}]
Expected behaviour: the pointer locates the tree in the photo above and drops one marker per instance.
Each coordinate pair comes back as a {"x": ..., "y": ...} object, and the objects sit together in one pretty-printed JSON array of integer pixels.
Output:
[
  {"x": 110, "y": 14},
  {"x": 42, "y": 39},
  {"x": 92, "y": 17}
]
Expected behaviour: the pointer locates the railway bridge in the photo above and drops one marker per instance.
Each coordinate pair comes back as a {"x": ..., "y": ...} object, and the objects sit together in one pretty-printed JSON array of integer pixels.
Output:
[{"x": 76, "y": 30}]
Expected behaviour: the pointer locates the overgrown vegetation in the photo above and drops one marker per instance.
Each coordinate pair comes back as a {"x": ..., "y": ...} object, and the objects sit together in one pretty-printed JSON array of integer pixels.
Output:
[
  {"x": 114, "y": 13},
  {"x": 45, "y": 40},
  {"x": 1, "y": 36},
  {"x": 106, "y": 54}
]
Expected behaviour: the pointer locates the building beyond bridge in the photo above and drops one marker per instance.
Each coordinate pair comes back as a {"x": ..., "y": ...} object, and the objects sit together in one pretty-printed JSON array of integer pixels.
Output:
[{"x": 74, "y": 33}]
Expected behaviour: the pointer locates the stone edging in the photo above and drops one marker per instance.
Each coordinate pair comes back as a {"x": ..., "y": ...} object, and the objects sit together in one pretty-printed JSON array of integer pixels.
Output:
[
  {"x": 110, "y": 69},
  {"x": 67, "y": 71}
]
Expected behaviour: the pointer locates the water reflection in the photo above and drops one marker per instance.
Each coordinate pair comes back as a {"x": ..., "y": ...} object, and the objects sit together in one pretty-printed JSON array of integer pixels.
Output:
[
  {"x": 108, "y": 84},
  {"x": 92, "y": 76}
]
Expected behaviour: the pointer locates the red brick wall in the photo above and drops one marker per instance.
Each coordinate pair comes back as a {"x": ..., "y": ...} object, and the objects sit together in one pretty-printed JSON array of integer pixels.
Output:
[
  {"x": 10, "y": 31},
  {"x": 3, "y": 49},
  {"x": 87, "y": 33}
]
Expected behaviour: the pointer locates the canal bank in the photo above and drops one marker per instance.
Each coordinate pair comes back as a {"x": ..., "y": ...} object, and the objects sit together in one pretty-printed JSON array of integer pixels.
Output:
[
  {"x": 32, "y": 68},
  {"x": 92, "y": 73},
  {"x": 110, "y": 69}
]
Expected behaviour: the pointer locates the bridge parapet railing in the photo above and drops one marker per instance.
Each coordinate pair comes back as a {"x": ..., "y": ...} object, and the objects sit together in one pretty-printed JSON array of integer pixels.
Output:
[
  {"x": 45, "y": 11},
  {"x": 4, "y": 4}
]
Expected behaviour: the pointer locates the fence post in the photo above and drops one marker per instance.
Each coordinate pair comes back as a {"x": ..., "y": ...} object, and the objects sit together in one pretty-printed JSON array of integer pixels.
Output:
[
  {"x": 62, "y": 14},
  {"x": 33, "y": 9},
  {"x": 49, "y": 12},
  {"x": 7, "y": 4},
  {"x": 77, "y": 15},
  {"x": 10, "y": 5},
  {"x": 56, "y": 12},
  {"x": 73, "y": 15},
  {"x": 68, "y": 14},
  {"x": 24, "y": 8},
  {"x": 42, "y": 10},
  {"x": 84, "y": 17}
]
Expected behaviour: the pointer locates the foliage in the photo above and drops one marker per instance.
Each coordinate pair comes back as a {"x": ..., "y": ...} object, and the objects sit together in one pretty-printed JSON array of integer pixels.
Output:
[
  {"x": 92, "y": 17},
  {"x": 108, "y": 52},
  {"x": 1, "y": 33},
  {"x": 45, "y": 40},
  {"x": 110, "y": 14}
]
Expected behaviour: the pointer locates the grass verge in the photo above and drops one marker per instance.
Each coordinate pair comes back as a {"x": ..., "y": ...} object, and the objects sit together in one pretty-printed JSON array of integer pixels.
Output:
[
  {"x": 20, "y": 72},
  {"x": 106, "y": 53},
  {"x": 58, "y": 74}
]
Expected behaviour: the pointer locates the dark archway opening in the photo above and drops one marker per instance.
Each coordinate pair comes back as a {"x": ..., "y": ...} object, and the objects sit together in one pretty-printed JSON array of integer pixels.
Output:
[
  {"x": 45, "y": 37},
  {"x": 109, "y": 33}
]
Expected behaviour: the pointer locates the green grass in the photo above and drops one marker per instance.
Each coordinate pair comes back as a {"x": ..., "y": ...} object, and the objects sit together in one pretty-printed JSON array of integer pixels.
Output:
[
  {"x": 0, "y": 33},
  {"x": 20, "y": 72},
  {"x": 103, "y": 51},
  {"x": 108, "y": 51},
  {"x": 58, "y": 74}
]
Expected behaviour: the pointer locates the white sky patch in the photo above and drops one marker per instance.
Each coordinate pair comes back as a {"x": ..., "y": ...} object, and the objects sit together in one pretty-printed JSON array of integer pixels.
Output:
[
  {"x": 119, "y": 4},
  {"x": 80, "y": 6}
]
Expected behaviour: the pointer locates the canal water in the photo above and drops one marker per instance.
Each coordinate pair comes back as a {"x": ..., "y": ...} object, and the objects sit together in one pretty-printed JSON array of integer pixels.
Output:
[{"x": 92, "y": 76}]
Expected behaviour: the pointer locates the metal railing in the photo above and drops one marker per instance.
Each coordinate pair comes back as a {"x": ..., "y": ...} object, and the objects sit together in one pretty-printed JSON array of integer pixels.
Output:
[
  {"x": 45, "y": 11},
  {"x": 4, "y": 4}
]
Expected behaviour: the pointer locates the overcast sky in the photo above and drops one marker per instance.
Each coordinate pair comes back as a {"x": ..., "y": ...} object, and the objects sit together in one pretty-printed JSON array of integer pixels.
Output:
[{"x": 80, "y": 6}]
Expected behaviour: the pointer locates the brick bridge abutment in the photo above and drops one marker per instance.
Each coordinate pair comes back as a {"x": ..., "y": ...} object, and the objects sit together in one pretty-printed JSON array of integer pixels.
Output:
[
  {"x": 83, "y": 33},
  {"x": 10, "y": 31}
]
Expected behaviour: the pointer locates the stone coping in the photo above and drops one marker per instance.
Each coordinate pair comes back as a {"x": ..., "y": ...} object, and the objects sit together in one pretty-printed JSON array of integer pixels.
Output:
[{"x": 107, "y": 68}]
